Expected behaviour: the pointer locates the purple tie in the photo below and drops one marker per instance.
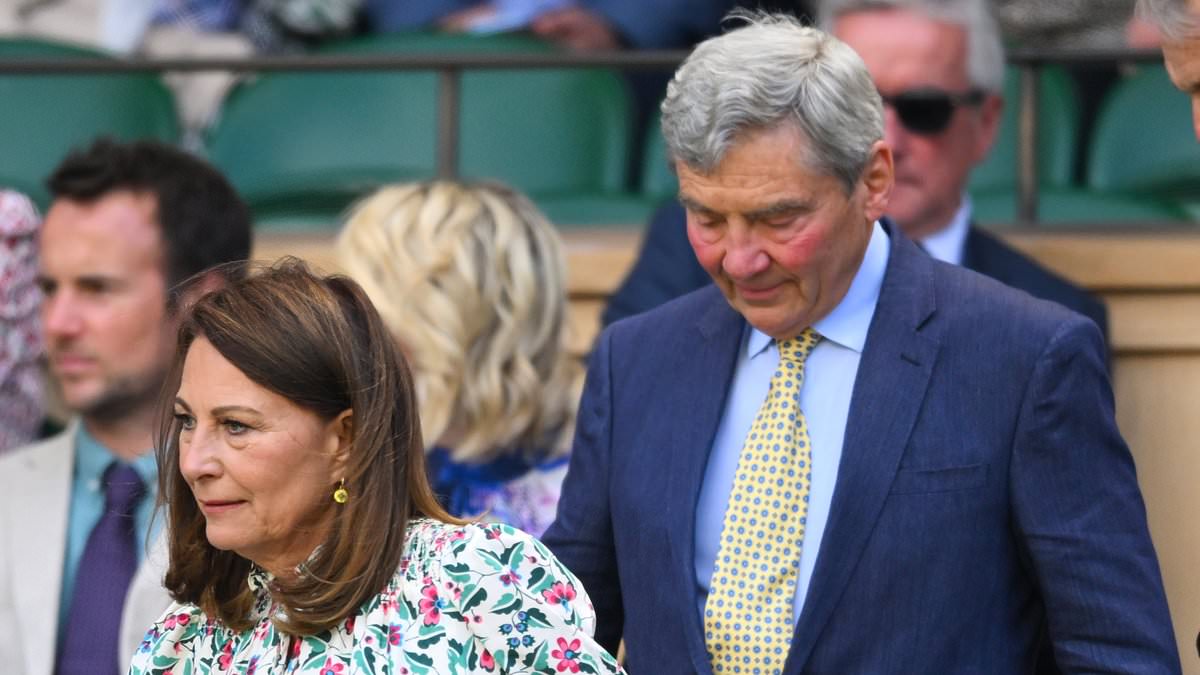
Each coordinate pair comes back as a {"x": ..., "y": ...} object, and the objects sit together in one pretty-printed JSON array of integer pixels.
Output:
[{"x": 109, "y": 560}]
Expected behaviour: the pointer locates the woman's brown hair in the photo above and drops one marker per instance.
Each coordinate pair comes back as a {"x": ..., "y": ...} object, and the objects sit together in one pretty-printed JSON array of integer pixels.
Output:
[{"x": 318, "y": 342}]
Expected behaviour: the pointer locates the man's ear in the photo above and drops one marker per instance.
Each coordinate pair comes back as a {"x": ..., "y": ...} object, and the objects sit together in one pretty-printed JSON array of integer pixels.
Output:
[
  {"x": 991, "y": 111},
  {"x": 878, "y": 178}
]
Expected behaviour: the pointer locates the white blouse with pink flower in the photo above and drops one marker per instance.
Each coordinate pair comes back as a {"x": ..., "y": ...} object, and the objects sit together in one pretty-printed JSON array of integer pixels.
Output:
[{"x": 483, "y": 598}]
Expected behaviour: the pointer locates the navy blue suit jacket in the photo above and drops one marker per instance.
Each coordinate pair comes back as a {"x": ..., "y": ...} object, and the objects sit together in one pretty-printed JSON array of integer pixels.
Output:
[
  {"x": 666, "y": 268},
  {"x": 984, "y": 498}
]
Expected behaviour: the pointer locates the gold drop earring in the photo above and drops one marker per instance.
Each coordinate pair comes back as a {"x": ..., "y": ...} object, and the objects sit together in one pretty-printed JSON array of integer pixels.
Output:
[{"x": 340, "y": 495}]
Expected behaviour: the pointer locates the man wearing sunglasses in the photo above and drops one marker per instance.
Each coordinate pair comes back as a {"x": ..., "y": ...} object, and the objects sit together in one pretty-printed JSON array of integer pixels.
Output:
[{"x": 939, "y": 66}]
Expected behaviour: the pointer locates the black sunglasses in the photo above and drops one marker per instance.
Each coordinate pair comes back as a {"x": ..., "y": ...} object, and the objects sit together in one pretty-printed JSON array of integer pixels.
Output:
[{"x": 928, "y": 111}]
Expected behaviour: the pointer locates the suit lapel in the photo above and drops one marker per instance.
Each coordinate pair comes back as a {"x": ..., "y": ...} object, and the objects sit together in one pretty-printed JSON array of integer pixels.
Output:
[
  {"x": 146, "y": 600},
  {"x": 40, "y": 524},
  {"x": 893, "y": 375},
  {"x": 707, "y": 369}
]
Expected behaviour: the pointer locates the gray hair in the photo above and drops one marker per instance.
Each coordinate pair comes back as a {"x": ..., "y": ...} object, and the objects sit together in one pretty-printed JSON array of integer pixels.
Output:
[
  {"x": 985, "y": 48},
  {"x": 1174, "y": 18},
  {"x": 768, "y": 72}
]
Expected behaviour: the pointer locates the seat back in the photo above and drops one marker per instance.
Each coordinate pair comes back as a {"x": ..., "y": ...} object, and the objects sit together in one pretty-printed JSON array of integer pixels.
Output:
[
  {"x": 323, "y": 139},
  {"x": 1143, "y": 141},
  {"x": 46, "y": 116},
  {"x": 1058, "y": 134}
]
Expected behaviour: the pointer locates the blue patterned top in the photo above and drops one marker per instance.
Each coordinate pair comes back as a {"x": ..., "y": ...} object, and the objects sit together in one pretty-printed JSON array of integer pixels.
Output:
[{"x": 511, "y": 489}]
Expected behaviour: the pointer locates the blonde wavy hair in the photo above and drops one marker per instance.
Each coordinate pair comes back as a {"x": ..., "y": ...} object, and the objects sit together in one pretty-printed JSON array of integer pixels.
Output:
[{"x": 471, "y": 281}]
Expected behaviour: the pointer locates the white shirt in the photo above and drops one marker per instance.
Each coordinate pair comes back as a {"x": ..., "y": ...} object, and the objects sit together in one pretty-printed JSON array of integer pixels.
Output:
[{"x": 947, "y": 243}]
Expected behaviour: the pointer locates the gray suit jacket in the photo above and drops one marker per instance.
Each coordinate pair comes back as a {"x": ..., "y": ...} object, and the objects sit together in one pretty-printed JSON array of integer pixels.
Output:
[{"x": 35, "y": 500}]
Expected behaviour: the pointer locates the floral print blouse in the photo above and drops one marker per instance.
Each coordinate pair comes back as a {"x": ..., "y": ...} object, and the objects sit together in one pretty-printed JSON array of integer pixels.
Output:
[{"x": 478, "y": 598}]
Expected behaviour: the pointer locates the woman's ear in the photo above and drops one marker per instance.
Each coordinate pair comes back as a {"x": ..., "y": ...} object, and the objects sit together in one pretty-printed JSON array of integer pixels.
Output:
[{"x": 339, "y": 437}]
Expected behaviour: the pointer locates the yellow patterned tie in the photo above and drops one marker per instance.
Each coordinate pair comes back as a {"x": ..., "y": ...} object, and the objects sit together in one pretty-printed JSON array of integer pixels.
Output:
[{"x": 748, "y": 614}]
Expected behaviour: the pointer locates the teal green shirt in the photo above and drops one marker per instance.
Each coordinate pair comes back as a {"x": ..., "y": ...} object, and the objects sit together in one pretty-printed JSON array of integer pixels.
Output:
[{"x": 87, "y": 505}]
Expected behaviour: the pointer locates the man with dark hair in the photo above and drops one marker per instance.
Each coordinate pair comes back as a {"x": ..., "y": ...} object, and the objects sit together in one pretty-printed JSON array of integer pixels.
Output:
[{"x": 78, "y": 587}]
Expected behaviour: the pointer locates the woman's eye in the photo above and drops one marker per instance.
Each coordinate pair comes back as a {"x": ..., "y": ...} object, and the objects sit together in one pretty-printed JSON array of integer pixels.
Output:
[
  {"x": 185, "y": 421},
  {"x": 235, "y": 427}
]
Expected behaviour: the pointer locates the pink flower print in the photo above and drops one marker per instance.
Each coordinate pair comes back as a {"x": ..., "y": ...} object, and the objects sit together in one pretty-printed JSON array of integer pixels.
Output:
[
  {"x": 559, "y": 593},
  {"x": 510, "y": 577},
  {"x": 492, "y": 533},
  {"x": 180, "y": 619},
  {"x": 486, "y": 661},
  {"x": 395, "y": 637},
  {"x": 226, "y": 659},
  {"x": 331, "y": 668},
  {"x": 253, "y": 666},
  {"x": 349, "y": 625},
  {"x": 429, "y": 605},
  {"x": 567, "y": 655}
]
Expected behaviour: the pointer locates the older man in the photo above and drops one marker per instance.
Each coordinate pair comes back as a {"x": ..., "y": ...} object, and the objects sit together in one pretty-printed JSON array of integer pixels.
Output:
[
  {"x": 128, "y": 222},
  {"x": 845, "y": 456},
  {"x": 940, "y": 67}
]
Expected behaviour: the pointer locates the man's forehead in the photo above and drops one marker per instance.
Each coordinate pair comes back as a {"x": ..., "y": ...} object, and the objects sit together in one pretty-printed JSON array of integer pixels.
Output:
[{"x": 112, "y": 235}]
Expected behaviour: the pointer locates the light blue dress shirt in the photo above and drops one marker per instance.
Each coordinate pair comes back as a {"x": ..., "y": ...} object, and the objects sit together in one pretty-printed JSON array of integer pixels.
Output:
[
  {"x": 87, "y": 505},
  {"x": 829, "y": 374},
  {"x": 947, "y": 244}
]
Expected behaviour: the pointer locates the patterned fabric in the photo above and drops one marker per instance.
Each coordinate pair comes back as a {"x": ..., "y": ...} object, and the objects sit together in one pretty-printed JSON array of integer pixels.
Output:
[
  {"x": 510, "y": 489},
  {"x": 20, "y": 336},
  {"x": 470, "y": 599},
  {"x": 201, "y": 15},
  {"x": 748, "y": 614}
]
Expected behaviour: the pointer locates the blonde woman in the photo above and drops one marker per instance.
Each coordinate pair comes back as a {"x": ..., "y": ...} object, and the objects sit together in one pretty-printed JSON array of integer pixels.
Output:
[{"x": 471, "y": 281}]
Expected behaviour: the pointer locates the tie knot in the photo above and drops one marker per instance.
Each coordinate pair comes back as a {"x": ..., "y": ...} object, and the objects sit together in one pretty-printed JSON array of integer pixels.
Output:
[
  {"x": 123, "y": 488},
  {"x": 798, "y": 348}
]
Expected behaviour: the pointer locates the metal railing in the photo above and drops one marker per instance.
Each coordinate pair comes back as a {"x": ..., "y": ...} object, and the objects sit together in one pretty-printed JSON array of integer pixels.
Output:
[{"x": 450, "y": 67}]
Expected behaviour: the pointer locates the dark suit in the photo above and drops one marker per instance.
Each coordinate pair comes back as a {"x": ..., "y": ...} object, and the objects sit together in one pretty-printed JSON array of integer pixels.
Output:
[
  {"x": 666, "y": 268},
  {"x": 984, "y": 493}
]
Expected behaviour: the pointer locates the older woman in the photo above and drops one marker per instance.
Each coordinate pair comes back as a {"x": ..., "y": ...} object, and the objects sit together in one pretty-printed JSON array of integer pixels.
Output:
[
  {"x": 471, "y": 281},
  {"x": 303, "y": 535}
]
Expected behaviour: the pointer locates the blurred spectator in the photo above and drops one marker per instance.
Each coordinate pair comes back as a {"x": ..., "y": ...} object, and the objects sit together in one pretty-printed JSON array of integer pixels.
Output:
[
  {"x": 184, "y": 29},
  {"x": 471, "y": 280},
  {"x": 1065, "y": 24},
  {"x": 20, "y": 336},
  {"x": 587, "y": 25},
  {"x": 129, "y": 221}
]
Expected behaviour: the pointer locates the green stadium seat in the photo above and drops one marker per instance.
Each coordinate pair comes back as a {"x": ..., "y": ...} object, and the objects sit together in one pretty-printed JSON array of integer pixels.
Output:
[
  {"x": 1058, "y": 133},
  {"x": 1075, "y": 206},
  {"x": 309, "y": 144},
  {"x": 45, "y": 116},
  {"x": 1143, "y": 141}
]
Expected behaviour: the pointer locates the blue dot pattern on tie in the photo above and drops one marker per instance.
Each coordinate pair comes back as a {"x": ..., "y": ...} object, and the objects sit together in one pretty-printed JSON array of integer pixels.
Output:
[
  {"x": 748, "y": 613},
  {"x": 107, "y": 566}
]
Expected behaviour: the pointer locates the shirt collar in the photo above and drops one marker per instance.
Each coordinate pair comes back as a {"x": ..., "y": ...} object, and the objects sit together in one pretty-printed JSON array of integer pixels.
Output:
[
  {"x": 92, "y": 458},
  {"x": 947, "y": 243},
  {"x": 849, "y": 321}
]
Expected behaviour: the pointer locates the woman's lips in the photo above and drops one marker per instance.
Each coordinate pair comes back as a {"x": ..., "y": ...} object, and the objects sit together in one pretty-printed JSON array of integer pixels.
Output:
[{"x": 219, "y": 506}]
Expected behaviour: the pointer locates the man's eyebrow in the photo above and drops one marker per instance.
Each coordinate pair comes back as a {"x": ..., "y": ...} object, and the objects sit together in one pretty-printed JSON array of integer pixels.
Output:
[
  {"x": 695, "y": 206},
  {"x": 787, "y": 206}
]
